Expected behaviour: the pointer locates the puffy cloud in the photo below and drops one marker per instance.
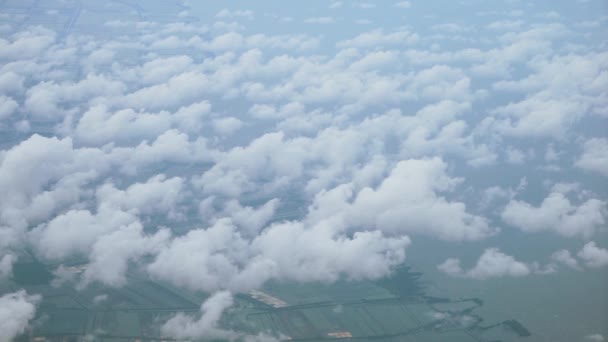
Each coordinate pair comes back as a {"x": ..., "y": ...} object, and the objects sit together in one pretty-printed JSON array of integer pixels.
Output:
[
  {"x": 403, "y": 4},
  {"x": 441, "y": 82},
  {"x": 595, "y": 338},
  {"x": 319, "y": 20},
  {"x": 113, "y": 235},
  {"x": 227, "y": 126},
  {"x": 98, "y": 126},
  {"x": 206, "y": 326},
  {"x": 172, "y": 146},
  {"x": 179, "y": 89},
  {"x": 219, "y": 257},
  {"x": 556, "y": 101},
  {"x": 319, "y": 253},
  {"x": 378, "y": 37},
  {"x": 595, "y": 156},
  {"x": 16, "y": 310},
  {"x": 41, "y": 175},
  {"x": 6, "y": 266},
  {"x": 210, "y": 259},
  {"x": 161, "y": 69},
  {"x": 515, "y": 156},
  {"x": 8, "y": 107},
  {"x": 112, "y": 252},
  {"x": 158, "y": 194},
  {"x": 76, "y": 231},
  {"x": 538, "y": 116},
  {"x": 408, "y": 201},
  {"x": 556, "y": 213},
  {"x": 563, "y": 256},
  {"x": 26, "y": 44},
  {"x": 593, "y": 255},
  {"x": 226, "y": 13},
  {"x": 45, "y": 100},
  {"x": 265, "y": 111},
  {"x": 370, "y": 136},
  {"x": 491, "y": 264},
  {"x": 11, "y": 82},
  {"x": 335, "y": 4},
  {"x": 251, "y": 220}
]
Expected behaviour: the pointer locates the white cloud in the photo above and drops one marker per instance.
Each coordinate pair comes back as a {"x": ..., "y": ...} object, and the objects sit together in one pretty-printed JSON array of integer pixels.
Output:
[
  {"x": 111, "y": 253},
  {"x": 377, "y": 38},
  {"x": 563, "y": 256},
  {"x": 403, "y": 4},
  {"x": 366, "y": 5},
  {"x": 515, "y": 156},
  {"x": 206, "y": 326},
  {"x": 593, "y": 255},
  {"x": 227, "y": 126},
  {"x": 11, "y": 82},
  {"x": 219, "y": 257},
  {"x": 8, "y": 107},
  {"x": 26, "y": 44},
  {"x": 491, "y": 264},
  {"x": 251, "y": 220},
  {"x": 160, "y": 70},
  {"x": 158, "y": 194},
  {"x": 76, "y": 231},
  {"x": 319, "y": 20},
  {"x": 595, "y": 338},
  {"x": 372, "y": 138},
  {"x": 16, "y": 310},
  {"x": 409, "y": 201},
  {"x": 539, "y": 115},
  {"x": 335, "y": 5},
  {"x": 226, "y": 13},
  {"x": 554, "y": 101},
  {"x": 556, "y": 213},
  {"x": 6, "y": 266},
  {"x": 595, "y": 156},
  {"x": 98, "y": 126},
  {"x": 45, "y": 100}
]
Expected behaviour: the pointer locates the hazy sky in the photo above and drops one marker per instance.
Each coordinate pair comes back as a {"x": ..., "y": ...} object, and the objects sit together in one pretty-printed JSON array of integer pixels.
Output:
[{"x": 218, "y": 145}]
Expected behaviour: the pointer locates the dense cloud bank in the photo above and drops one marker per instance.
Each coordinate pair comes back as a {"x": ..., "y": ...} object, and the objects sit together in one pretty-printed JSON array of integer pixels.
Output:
[{"x": 218, "y": 157}]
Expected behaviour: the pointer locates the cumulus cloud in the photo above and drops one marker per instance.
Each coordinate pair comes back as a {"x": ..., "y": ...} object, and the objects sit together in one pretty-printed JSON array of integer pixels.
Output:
[
  {"x": 28, "y": 43},
  {"x": 595, "y": 338},
  {"x": 595, "y": 156},
  {"x": 319, "y": 20},
  {"x": 491, "y": 264},
  {"x": 8, "y": 107},
  {"x": 219, "y": 257},
  {"x": 564, "y": 257},
  {"x": 403, "y": 4},
  {"x": 206, "y": 326},
  {"x": 402, "y": 204},
  {"x": 76, "y": 231},
  {"x": 112, "y": 252},
  {"x": 6, "y": 266},
  {"x": 17, "y": 309},
  {"x": 594, "y": 256},
  {"x": 227, "y": 126},
  {"x": 556, "y": 213},
  {"x": 98, "y": 126},
  {"x": 47, "y": 100},
  {"x": 214, "y": 130},
  {"x": 378, "y": 37},
  {"x": 226, "y": 13}
]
